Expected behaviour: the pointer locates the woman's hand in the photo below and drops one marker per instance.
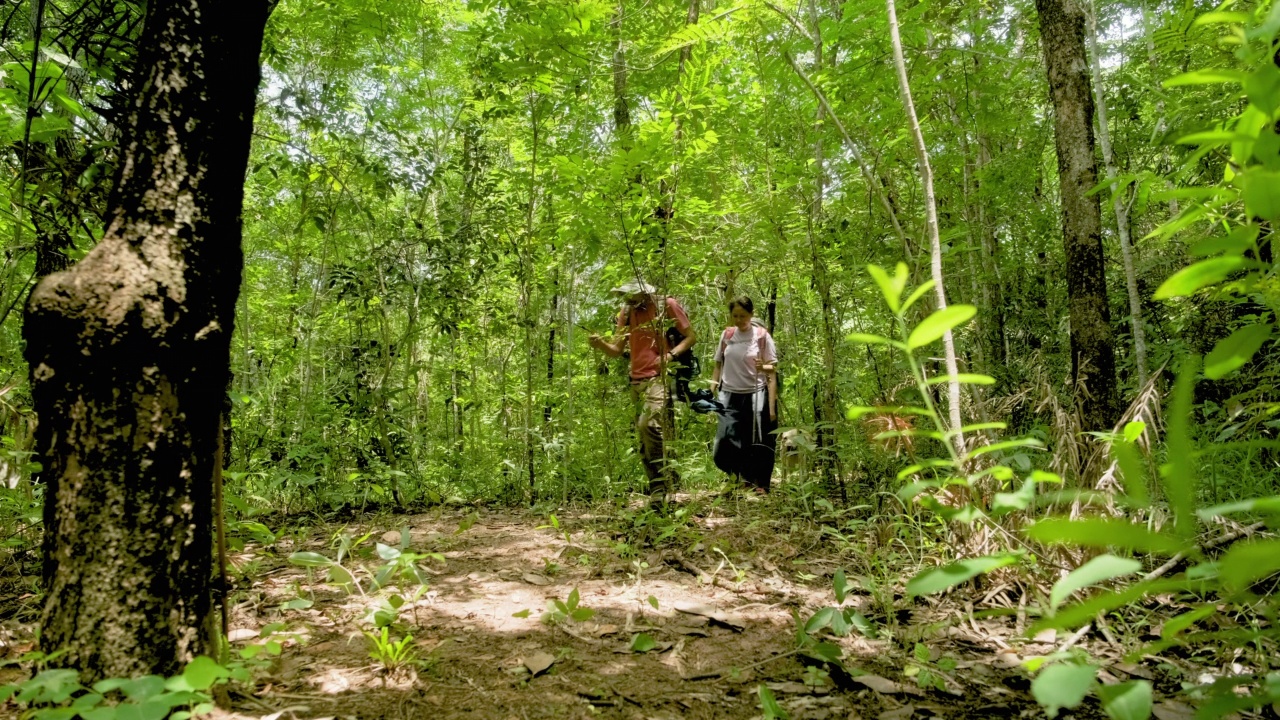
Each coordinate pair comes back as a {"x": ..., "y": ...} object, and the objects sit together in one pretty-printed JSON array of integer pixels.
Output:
[
  {"x": 773, "y": 414},
  {"x": 715, "y": 386}
]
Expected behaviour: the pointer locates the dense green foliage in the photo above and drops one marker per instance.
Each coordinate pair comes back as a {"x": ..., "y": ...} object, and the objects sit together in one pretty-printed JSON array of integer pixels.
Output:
[{"x": 440, "y": 196}]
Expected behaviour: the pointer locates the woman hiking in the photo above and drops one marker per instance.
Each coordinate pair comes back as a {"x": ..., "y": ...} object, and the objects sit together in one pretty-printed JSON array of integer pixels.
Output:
[{"x": 744, "y": 378}]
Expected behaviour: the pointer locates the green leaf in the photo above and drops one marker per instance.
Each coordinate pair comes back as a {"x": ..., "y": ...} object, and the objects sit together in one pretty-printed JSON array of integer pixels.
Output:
[
  {"x": 769, "y": 704},
  {"x": 819, "y": 620},
  {"x": 1269, "y": 505},
  {"x": 339, "y": 575},
  {"x": 870, "y": 339},
  {"x": 1176, "y": 625},
  {"x": 964, "y": 378},
  {"x": 1099, "y": 569},
  {"x": 1063, "y": 685},
  {"x": 1074, "y": 616},
  {"x": 1131, "y": 472},
  {"x": 309, "y": 559},
  {"x": 1233, "y": 351},
  {"x": 1101, "y": 533},
  {"x": 938, "y": 579},
  {"x": 891, "y": 288},
  {"x": 1263, "y": 88},
  {"x": 1247, "y": 562},
  {"x": 1133, "y": 430},
  {"x": 939, "y": 323},
  {"x": 1212, "y": 138},
  {"x": 643, "y": 643},
  {"x": 1221, "y": 16},
  {"x": 1261, "y": 193},
  {"x": 653, "y": 601},
  {"x": 860, "y": 623},
  {"x": 1204, "y": 273},
  {"x": 1235, "y": 242},
  {"x": 916, "y": 295},
  {"x": 1004, "y": 503},
  {"x": 1006, "y": 445},
  {"x": 840, "y": 584},
  {"x": 1127, "y": 700},
  {"x": 582, "y": 614},
  {"x": 921, "y": 652},
  {"x": 1205, "y": 77},
  {"x": 202, "y": 672},
  {"x": 522, "y": 614},
  {"x": 386, "y": 552},
  {"x": 572, "y": 601}
]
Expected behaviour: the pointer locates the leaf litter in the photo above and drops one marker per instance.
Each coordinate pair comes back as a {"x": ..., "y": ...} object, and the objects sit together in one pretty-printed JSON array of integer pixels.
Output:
[{"x": 489, "y": 639}]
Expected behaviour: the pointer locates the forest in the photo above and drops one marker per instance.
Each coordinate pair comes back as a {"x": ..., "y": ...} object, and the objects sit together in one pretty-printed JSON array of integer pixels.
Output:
[{"x": 334, "y": 383}]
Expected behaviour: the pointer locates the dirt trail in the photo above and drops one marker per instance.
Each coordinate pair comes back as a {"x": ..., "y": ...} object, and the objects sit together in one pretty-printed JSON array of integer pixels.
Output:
[{"x": 483, "y": 660}]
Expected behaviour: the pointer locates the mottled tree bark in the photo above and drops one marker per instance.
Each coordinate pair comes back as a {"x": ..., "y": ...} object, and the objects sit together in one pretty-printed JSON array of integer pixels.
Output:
[
  {"x": 129, "y": 353},
  {"x": 1093, "y": 363}
]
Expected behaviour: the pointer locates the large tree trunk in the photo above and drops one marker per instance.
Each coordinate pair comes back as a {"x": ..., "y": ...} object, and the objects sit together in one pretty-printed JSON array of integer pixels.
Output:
[
  {"x": 129, "y": 353},
  {"x": 1093, "y": 362}
]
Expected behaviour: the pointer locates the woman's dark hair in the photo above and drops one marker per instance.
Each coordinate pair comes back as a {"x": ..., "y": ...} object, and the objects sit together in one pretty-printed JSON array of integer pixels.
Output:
[{"x": 743, "y": 302}]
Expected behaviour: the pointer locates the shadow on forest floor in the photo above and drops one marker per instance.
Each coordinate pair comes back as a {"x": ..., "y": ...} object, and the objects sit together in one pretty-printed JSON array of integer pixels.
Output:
[{"x": 755, "y": 572}]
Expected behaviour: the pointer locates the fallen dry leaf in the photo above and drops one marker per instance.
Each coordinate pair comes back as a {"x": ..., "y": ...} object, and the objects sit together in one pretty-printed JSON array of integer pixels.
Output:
[
  {"x": 902, "y": 713},
  {"x": 607, "y": 629},
  {"x": 536, "y": 579},
  {"x": 885, "y": 685},
  {"x": 1172, "y": 710},
  {"x": 711, "y": 614},
  {"x": 539, "y": 662},
  {"x": 391, "y": 537}
]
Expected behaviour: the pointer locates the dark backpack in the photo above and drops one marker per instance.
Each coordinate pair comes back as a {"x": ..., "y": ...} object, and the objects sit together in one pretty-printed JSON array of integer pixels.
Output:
[{"x": 684, "y": 367}]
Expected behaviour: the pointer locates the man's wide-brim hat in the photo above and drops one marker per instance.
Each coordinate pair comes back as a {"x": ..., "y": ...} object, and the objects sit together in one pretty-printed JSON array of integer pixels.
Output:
[{"x": 634, "y": 288}]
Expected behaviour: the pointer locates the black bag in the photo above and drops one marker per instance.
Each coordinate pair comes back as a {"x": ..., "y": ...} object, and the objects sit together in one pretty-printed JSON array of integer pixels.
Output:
[{"x": 684, "y": 367}]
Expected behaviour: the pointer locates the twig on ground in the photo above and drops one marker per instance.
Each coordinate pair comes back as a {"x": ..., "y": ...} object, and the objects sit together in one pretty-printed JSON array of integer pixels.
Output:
[
  {"x": 1106, "y": 630},
  {"x": 1021, "y": 622},
  {"x": 758, "y": 663},
  {"x": 1075, "y": 638}
]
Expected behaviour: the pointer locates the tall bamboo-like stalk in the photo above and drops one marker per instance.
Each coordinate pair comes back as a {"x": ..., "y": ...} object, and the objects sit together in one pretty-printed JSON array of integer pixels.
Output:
[
  {"x": 1119, "y": 206},
  {"x": 931, "y": 222}
]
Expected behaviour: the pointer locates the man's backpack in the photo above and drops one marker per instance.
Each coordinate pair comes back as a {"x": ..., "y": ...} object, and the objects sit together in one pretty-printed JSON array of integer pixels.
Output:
[{"x": 684, "y": 367}]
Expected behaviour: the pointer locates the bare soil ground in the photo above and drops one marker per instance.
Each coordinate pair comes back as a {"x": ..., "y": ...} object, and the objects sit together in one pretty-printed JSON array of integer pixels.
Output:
[{"x": 719, "y": 599}]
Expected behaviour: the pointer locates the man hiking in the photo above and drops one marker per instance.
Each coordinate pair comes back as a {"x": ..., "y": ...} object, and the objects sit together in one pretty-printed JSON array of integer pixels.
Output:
[{"x": 642, "y": 322}]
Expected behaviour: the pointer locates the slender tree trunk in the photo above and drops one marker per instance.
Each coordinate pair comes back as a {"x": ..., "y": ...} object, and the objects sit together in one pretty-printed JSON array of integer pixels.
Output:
[
  {"x": 129, "y": 353},
  {"x": 1093, "y": 364},
  {"x": 667, "y": 186},
  {"x": 621, "y": 108},
  {"x": 1158, "y": 89},
  {"x": 526, "y": 302},
  {"x": 993, "y": 285},
  {"x": 825, "y": 400},
  {"x": 931, "y": 223},
  {"x": 1121, "y": 210}
]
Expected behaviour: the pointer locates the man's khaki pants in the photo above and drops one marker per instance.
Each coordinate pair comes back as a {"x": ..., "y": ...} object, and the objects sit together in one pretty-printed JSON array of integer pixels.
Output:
[{"x": 653, "y": 411}]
